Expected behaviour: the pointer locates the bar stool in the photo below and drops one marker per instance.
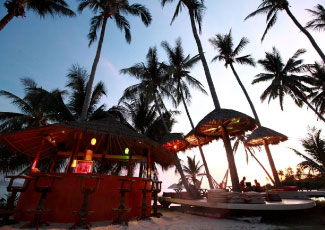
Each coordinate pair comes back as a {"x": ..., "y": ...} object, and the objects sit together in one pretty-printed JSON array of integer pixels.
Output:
[
  {"x": 155, "y": 189},
  {"x": 40, "y": 210},
  {"x": 9, "y": 209},
  {"x": 122, "y": 209},
  {"x": 144, "y": 205},
  {"x": 83, "y": 212}
]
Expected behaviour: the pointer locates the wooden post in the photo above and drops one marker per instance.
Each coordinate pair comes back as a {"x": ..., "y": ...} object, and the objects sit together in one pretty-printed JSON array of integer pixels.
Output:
[
  {"x": 149, "y": 163},
  {"x": 38, "y": 154},
  {"x": 53, "y": 163},
  {"x": 130, "y": 159},
  {"x": 231, "y": 160},
  {"x": 75, "y": 152},
  {"x": 274, "y": 172}
]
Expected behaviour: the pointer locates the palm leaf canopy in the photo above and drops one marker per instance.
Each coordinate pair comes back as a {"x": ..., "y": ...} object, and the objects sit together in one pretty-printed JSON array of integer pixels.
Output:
[
  {"x": 112, "y": 138},
  {"x": 225, "y": 47},
  {"x": 196, "y": 6},
  {"x": 271, "y": 9},
  {"x": 260, "y": 134},
  {"x": 42, "y": 8},
  {"x": 116, "y": 10},
  {"x": 318, "y": 23},
  {"x": 283, "y": 77},
  {"x": 235, "y": 122}
]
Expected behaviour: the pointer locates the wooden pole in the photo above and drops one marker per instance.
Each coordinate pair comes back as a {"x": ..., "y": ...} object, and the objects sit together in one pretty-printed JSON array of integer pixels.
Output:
[
  {"x": 53, "y": 163},
  {"x": 130, "y": 159},
  {"x": 274, "y": 172},
  {"x": 75, "y": 152},
  {"x": 38, "y": 154},
  {"x": 149, "y": 163},
  {"x": 231, "y": 160}
]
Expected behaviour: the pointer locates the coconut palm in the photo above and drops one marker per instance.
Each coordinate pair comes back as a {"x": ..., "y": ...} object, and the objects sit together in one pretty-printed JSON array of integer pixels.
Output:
[
  {"x": 314, "y": 146},
  {"x": 196, "y": 9},
  {"x": 284, "y": 79},
  {"x": 16, "y": 8},
  {"x": 105, "y": 10},
  {"x": 192, "y": 169},
  {"x": 154, "y": 85},
  {"x": 271, "y": 9},
  {"x": 179, "y": 67},
  {"x": 32, "y": 112},
  {"x": 318, "y": 23},
  {"x": 226, "y": 52},
  {"x": 317, "y": 81}
]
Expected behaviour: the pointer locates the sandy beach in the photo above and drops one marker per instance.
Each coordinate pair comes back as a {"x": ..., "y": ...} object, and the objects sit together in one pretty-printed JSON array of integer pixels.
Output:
[{"x": 169, "y": 221}]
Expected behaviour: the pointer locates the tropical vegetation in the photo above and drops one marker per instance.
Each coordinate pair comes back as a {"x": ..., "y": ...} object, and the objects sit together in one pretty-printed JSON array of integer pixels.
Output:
[
  {"x": 271, "y": 9},
  {"x": 16, "y": 8},
  {"x": 105, "y": 10},
  {"x": 318, "y": 22},
  {"x": 284, "y": 79}
]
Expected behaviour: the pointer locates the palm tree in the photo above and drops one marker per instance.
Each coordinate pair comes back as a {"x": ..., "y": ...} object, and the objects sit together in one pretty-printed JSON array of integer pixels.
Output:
[
  {"x": 317, "y": 80},
  {"x": 271, "y": 9},
  {"x": 314, "y": 145},
  {"x": 154, "y": 84},
  {"x": 284, "y": 79},
  {"x": 192, "y": 169},
  {"x": 16, "y": 8},
  {"x": 196, "y": 9},
  {"x": 108, "y": 9},
  {"x": 179, "y": 67},
  {"x": 32, "y": 113},
  {"x": 226, "y": 52},
  {"x": 318, "y": 23}
]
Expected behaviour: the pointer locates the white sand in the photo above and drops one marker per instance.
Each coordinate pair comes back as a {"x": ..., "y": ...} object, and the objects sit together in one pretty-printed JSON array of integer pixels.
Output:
[{"x": 169, "y": 221}]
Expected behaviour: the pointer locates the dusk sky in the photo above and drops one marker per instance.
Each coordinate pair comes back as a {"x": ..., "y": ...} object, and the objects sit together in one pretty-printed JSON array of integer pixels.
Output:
[{"x": 45, "y": 49}]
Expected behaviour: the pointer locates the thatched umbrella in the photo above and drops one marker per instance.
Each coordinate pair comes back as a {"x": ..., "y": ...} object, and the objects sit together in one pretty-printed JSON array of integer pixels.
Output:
[
  {"x": 174, "y": 142},
  {"x": 61, "y": 139},
  {"x": 224, "y": 123},
  {"x": 196, "y": 140},
  {"x": 265, "y": 136}
]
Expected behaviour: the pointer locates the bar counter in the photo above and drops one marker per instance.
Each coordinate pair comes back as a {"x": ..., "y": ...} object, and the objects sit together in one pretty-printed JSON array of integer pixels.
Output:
[{"x": 65, "y": 198}]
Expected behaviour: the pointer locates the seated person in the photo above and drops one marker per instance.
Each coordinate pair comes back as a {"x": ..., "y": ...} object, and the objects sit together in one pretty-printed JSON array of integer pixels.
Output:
[
  {"x": 248, "y": 187},
  {"x": 257, "y": 186},
  {"x": 242, "y": 184}
]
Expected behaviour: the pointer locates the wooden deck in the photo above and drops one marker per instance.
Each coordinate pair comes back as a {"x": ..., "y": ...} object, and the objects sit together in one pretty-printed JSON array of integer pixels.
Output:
[{"x": 285, "y": 204}]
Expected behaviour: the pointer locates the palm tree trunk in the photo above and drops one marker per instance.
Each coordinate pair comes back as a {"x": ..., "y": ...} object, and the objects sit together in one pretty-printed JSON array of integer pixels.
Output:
[
  {"x": 85, "y": 106},
  {"x": 199, "y": 145},
  {"x": 274, "y": 172},
  {"x": 204, "y": 62},
  {"x": 177, "y": 162},
  {"x": 226, "y": 141},
  {"x": 302, "y": 29},
  {"x": 267, "y": 173},
  {"x": 161, "y": 115},
  {"x": 4, "y": 21},
  {"x": 311, "y": 107},
  {"x": 246, "y": 94},
  {"x": 231, "y": 160}
]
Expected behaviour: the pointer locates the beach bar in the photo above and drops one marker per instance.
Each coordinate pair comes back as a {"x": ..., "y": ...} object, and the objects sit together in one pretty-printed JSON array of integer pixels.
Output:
[{"x": 86, "y": 188}]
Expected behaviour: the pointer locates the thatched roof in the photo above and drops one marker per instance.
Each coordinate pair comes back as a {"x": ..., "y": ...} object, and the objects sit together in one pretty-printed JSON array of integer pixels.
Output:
[
  {"x": 236, "y": 123},
  {"x": 174, "y": 142},
  {"x": 112, "y": 138},
  {"x": 195, "y": 140},
  {"x": 263, "y": 133}
]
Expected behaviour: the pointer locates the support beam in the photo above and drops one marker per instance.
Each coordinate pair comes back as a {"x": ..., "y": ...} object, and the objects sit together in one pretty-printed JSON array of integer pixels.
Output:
[
  {"x": 149, "y": 163},
  {"x": 38, "y": 154}
]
